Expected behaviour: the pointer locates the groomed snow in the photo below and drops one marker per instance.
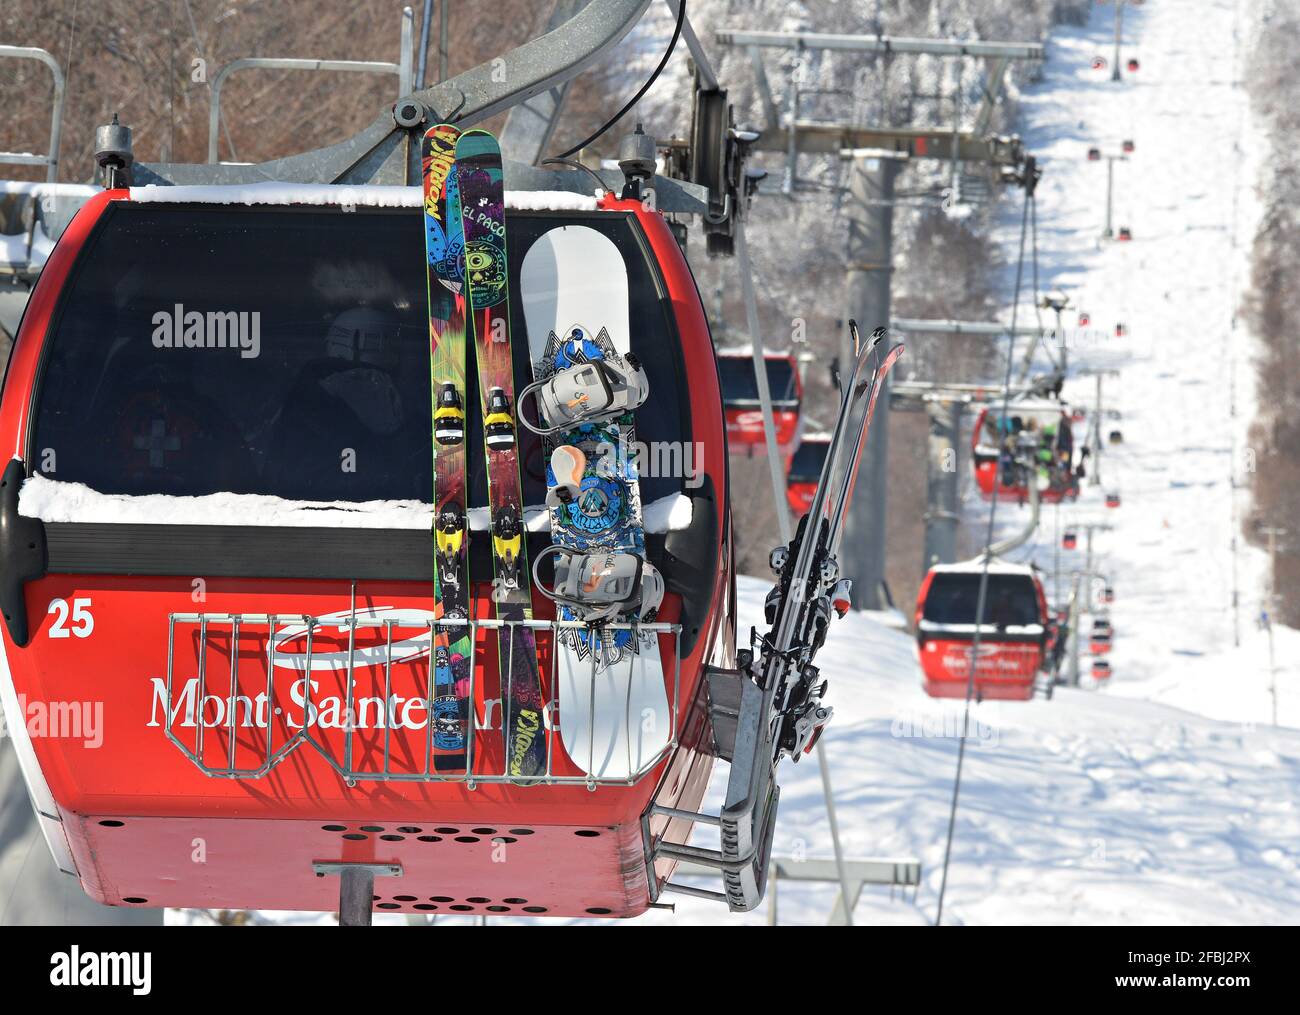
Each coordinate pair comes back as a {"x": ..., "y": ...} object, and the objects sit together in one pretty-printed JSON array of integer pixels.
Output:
[
  {"x": 367, "y": 196},
  {"x": 56, "y": 501}
]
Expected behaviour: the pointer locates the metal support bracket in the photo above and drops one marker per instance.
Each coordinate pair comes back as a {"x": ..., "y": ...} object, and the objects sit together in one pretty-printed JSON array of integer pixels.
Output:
[{"x": 356, "y": 887}]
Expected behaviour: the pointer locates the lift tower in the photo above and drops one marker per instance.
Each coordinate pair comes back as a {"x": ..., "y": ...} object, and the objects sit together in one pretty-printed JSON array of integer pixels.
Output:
[{"x": 877, "y": 152}]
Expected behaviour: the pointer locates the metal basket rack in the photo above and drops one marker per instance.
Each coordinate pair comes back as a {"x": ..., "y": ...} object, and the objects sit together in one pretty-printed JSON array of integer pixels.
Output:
[{"x": 402, "y": 754}]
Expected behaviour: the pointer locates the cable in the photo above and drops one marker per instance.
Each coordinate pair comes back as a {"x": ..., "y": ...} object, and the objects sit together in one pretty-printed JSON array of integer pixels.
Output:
[
  {"x": 672, "y": 44},
  {"x": 984, "y": 571}
]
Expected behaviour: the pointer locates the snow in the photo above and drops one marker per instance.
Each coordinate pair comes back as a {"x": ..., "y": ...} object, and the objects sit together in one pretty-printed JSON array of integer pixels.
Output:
[
  {"x": 56, "y": 501},
  {"x": 361, "y": 196}
]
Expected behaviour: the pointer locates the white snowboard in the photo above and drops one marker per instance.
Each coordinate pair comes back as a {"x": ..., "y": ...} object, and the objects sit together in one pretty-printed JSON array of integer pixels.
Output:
[{"x": 574, "y": 276}]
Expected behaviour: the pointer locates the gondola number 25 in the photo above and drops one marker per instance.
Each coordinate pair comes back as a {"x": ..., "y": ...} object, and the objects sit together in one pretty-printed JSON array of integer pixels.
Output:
[{"x": 82, "y": 620}]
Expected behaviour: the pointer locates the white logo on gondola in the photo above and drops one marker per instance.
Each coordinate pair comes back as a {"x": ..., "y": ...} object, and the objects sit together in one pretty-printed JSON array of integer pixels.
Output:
[{"x": 412, "y": 646}]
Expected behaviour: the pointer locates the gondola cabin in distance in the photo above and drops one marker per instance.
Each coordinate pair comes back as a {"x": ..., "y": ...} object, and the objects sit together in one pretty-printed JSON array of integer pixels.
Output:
[
  {"x": 216, "y": 526},
  {"x": 805, "y": 469},
  {"x": 1027, "y": 442},
  {"x": 1013, "y": 630},
  {"x": 743, "y": 407}
]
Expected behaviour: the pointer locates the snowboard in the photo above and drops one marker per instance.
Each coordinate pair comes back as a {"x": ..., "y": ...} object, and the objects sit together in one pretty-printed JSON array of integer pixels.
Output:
[
  {"x": 614, "y": 715},
  {"x": 482, "y": 199},
  {"x": 444, "y": 252}
]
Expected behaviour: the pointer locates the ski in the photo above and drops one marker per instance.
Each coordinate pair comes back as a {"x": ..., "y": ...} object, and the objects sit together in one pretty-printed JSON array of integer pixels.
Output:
[
  {"x": 451, "y": 651},
  {"x": 482, "y": 197},
  {"x": 809, "y": 587},
  {"x": 587, "y": 385}
]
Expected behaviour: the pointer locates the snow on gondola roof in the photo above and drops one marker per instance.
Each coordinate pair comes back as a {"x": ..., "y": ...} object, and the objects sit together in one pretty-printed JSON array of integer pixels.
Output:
[
  {"x": 327, "y": 194},
  {"x": 57, "y": 501},
  {"x": 976, "y": 565}
]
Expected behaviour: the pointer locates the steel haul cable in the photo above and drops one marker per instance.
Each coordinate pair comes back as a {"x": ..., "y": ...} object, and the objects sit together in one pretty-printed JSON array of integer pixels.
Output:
[{"x": 988, "y": 541}]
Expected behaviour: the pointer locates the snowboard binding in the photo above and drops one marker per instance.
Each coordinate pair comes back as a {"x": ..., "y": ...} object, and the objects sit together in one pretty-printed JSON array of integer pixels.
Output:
[
  {"x": 586, "y": 392},
  {"x": 498, "y": 422},
  {"x": 449, "y": 417},
  {"x": 602, "y": 586}
]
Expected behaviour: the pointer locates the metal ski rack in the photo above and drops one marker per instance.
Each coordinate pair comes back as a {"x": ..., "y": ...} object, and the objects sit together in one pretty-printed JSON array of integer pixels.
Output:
[
  {"x": 895, "y": 872},
  {"x": 370, "y": 680}
]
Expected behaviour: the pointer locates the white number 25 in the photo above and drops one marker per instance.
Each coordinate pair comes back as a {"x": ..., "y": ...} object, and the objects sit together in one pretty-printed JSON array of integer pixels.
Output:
[{"x": 82, "y": 621}]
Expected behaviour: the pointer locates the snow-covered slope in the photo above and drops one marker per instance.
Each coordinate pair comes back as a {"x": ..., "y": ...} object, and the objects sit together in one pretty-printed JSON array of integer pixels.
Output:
[{"x": 1184, "y": 388}]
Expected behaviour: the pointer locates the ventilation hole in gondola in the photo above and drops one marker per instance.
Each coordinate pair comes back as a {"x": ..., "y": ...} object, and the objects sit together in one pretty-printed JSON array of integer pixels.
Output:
[
  {"x": 484, "y": 831},
  {"x": 498, "y": 909},
  {"x": 372, "y": 828},
  {"x": 586, "y": 833},
  {"x": 356, "y": 837},
  {"x": 462, "y": 909},
  {"x": 423, "y": 905},
  {"x": 521, "y": 831},
  {"x": 406, "y": 898},
  {"x": 447, "y": 831},
  {"x": 410, "y": 829},
  {"x": 112, "y": 824},
  {"x": 599, "y": 911},
  {"x": 388, "y": 905},
  {"x": 467, "y": 838},
  {"x": 515, "y": 902},
  {"x": 430, "y": 838},
  {"x": 441, "y": 898},
  {"x": 135, "y": 900},
  {"x": 393, "y": 838},
  {"x": 334, "y": 828},
  {"x": 534, "y": 909},
  {"x": 374, "y": 898},
  {"x": 477, "y": 899},
  {"x": 501, "y": 840}
]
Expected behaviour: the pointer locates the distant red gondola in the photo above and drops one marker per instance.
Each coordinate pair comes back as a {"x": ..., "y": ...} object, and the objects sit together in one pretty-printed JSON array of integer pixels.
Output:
[
  {"x": 743, "y": 408},
  {"x": 1013, "y": 633},
  {"x": 1034, "y": 431},
  {"x": 805, "y": 469}
]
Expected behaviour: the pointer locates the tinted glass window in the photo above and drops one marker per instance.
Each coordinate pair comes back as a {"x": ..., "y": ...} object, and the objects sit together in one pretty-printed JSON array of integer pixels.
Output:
[
  {"x": 740, "y": 385},
  {"x": 328, "y": 396},
  {"x": 806, "y": 466},
  {"x": 1011, "y": 600}
]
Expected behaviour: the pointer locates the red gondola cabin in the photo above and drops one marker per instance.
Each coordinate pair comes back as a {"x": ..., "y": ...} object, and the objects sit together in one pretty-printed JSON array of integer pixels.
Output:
[
  {"x": 805, "y": 470},
  {"x": 1013, "y": 631},
  {"x": 1029, "y": 431},
  {"x": 225, "y": 547},
  {"x": 742, "y": 405}
]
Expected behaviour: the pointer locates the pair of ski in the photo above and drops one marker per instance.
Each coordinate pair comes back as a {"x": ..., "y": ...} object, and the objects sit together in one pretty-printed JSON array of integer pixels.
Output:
[
  {"x": 465, "y": 245},
  {"x": 570, "y": 276},
  {"x": 809, "y": 588}
]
